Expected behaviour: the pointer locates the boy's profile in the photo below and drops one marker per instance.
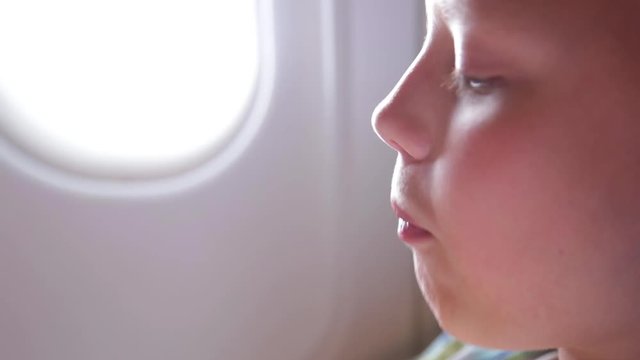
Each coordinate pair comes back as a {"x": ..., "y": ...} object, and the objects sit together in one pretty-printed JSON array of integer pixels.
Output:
[{"x": 517, "y": 182}]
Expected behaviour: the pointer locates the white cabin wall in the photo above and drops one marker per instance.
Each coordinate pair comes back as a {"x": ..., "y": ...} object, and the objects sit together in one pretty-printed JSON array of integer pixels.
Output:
[
  {"x": 384, "y": 37},
  {"x": 289, "y": 253}
]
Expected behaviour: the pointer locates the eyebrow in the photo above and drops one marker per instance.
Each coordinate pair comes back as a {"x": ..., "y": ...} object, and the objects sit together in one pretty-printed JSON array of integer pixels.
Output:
[
  {"x": 489, "y": 44},
  {"x": 453, "y": 10}
]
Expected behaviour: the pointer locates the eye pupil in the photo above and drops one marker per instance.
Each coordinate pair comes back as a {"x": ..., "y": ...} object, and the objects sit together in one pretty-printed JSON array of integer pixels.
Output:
[
  {"x": 477, "y": 83},
  {"x": 474, "y": 85},
  {"x": 481, "y": 86}
]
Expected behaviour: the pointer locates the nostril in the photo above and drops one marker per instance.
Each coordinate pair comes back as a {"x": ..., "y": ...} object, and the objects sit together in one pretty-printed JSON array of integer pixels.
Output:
[
  {"x": 396, "y": 146},
  {"x": 409, "y": 138},
  {"x": 401, "y": 128},
  {"x": 410, "y": 152}
]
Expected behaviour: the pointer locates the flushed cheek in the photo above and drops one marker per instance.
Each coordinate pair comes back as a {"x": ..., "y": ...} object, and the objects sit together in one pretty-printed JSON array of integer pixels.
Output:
[
  {"x": 518, "y": 218},
  {"x": 500, "y": 203},
  {"x": 496, "y": 191}
]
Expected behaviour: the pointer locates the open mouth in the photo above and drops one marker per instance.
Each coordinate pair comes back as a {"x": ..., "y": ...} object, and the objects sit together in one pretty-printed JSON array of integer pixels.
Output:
[
  {"x": 411, "y": 233},
  {"x": 408, "y": 231}
]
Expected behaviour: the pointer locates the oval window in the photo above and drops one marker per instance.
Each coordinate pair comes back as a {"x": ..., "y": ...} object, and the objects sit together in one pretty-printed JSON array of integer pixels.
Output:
[{"x": 125, "y": 88}]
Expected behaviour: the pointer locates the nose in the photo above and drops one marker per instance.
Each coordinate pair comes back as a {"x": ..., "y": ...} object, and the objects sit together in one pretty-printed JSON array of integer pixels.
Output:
[{"x": 406, "y": 119}]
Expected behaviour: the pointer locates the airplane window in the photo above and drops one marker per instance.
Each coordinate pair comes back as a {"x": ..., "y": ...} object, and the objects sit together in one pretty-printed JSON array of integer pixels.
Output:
[{"x": 125, "y": 87}]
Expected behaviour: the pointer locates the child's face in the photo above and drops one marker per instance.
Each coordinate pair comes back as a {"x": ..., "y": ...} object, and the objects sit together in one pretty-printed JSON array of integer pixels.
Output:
[{"x": 528, "y": 174}]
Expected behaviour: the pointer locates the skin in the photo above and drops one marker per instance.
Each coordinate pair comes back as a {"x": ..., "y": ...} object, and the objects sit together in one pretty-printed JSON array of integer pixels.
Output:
[{"x": 526, "y": 172}]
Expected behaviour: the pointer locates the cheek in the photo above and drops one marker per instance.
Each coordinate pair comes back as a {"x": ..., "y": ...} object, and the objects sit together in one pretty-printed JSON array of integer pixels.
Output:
[
  {"x": 522, "y": 211},
  {"x": 536, "y": 211},
  {"x": 521, "y": 182},
  {"x": 506, "y": 213},
  {"x": 498, "y": 195}
]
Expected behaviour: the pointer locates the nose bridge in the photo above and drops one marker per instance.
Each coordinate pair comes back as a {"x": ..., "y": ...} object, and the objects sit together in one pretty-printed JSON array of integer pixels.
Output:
[{"x": 406, "y": 118}]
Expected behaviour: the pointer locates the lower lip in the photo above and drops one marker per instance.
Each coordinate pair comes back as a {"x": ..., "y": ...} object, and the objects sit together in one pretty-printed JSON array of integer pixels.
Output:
[{"x": 412, "y": 234}]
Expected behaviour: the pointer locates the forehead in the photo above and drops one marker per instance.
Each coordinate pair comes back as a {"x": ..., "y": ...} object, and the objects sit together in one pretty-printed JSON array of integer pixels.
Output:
[
  {"x": 584, "y": 12},
  {"x": 481, "y": 12},
  {"x": 560, "y": 21}
]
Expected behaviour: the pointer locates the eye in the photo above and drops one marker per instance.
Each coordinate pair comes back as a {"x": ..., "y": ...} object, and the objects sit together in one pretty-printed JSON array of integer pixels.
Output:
[{"x": 476, "y": 85}]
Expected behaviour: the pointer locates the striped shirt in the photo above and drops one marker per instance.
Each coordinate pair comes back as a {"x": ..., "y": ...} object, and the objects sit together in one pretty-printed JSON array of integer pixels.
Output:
[{"x": 446, "y": 347}]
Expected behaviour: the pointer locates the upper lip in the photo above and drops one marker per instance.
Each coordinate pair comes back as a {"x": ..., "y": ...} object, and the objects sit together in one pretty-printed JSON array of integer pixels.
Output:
[
  {"x": 404, "y": 215},
  {"x": 401, "y": 213}
]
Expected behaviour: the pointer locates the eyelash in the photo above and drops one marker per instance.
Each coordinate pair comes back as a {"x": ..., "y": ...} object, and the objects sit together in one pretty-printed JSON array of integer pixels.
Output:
[{"x": 462, "y": 84}]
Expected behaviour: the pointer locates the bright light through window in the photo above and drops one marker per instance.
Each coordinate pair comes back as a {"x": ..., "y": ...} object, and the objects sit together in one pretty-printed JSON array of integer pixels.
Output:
[{"x": 129, "y": 86}]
